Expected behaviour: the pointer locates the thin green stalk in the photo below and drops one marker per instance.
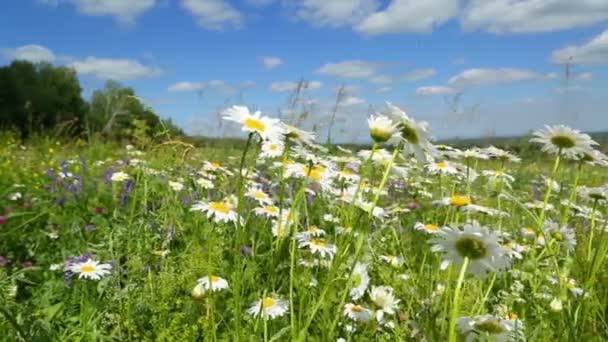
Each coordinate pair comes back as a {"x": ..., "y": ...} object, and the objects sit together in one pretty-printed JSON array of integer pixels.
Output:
[
  {"x": 456, "y": 301},
  {"x": 541, "y": 220}
]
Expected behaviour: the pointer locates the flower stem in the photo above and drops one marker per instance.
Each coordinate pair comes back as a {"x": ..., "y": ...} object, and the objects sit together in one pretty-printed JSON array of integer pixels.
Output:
[
  {"x": 456, "y": 300},
  {"x": 541, "y": 220}
]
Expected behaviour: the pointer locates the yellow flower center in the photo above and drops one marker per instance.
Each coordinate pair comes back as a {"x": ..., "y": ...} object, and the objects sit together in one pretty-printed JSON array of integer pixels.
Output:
[
  {"x": 87, "y": 268},
  {"x": 319, "y": 243},
  {"x": 441, "y": 165},
  {"x": 259, "y": 195},
  {"x": 460, "y": 201},
  {"x": 214, "y": 279},
  {"x": 471, "y": 248},
  {"x": 563, "y": 141},
  {"x": 274, "y": 147},
  {"x": 254, "y": 124},
  {"x": 268, "y": 302},
  {"x": 215, "y": 164},
  {"x": 316, "y": 173},
  {"x": 357, "y": 308},
  {"x": 220, "y": 206},
  {"x": 431, "y": 227},
  {"x": 272, "y": 209}
]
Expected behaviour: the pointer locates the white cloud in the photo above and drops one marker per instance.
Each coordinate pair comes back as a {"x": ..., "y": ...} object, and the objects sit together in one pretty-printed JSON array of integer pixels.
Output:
[
  {"x": 435, "y": 90},
  {"x": 291, "y": 86},
  {"x": 584, "y": 76},
  {"x": 349, "y": 69},
  {"x": 472, "y": 77},
  {"x": 352, "y": 101},
  {"x": 116, "y": 69},
  {"x": 383, "y": 90},
  {"x": 381, "y": 79},
  {"x": 271, "y": 62},
  {"x": 33, "y": 53},
  {"x": 419, "y": 74},
  {"x": 521, "y": 16},
  {"x": 213, "y": 14},
  {"x": 124, "y": 11},
  {"x": 259, "y": 2},
  {"x": 334, "y": 13},
  {"x": 403, "y": 16},
  {"x": 186, "y": 87},
  {"x": 593, "y": 52}
]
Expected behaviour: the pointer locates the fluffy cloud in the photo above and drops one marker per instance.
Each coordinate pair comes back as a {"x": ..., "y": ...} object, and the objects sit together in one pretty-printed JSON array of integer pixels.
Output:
[
  {"x": 593, "y": 52},
  {"x": 409, "y": 16},
  {"x": 349, "y": 69},
  {"x": 332, "y": 13},
  {"x": 419, "y": 74},
  {"x": 32, "y": 53},
  {"x": 116, "y": 69},
  {"x": 435, "y": 90},
  {"x": 352, "y": 101},
  {"x": 291, "y": 86},
  {"x": 473, "y": 77},
  {"x": 520, "y": 16},
  {"x": 186, "y": 87},
  {"x": 271, "y": 62},
  {"x": 213, "y": 14},
  {"x": 384, "y": 90},
  {"x": 123, "y": 11},
  {"x": 381, "y": 79}
]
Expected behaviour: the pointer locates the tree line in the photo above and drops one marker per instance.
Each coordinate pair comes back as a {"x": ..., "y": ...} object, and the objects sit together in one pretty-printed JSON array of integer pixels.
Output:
[{"x": 41, "y": 99}]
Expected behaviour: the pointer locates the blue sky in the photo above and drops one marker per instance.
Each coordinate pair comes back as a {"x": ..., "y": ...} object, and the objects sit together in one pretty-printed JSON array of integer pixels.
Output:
[{"x": 469, "y": 68}]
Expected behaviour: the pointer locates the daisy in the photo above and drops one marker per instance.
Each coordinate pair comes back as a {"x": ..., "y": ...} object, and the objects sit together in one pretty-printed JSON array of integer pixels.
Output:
[
  {"x": 330, "y": 218},
  {"x": 393, "y": 260},
  {"x": 381, "y": 128},
  {"x": 320, "y": 246},
  {"x": 360, "y": 280},
  {"x": 267, "y": 210},
  {"x": 357, "y": 312},
  {"x": 205, "y": 183},
  {"x": 444, "y": 168},
  {"x": 272, "y": 149},
  {"x": 594, "y": 158},
  {"x": 119, "y": 177},
  {"x": 222, "y": 211},
  {"x": 344, "y": 230},
  {"x": 415, "y": 134},
  {"x": 269, "y": 308},
  {"x": 267, "y": 128},
  {"x": 176, "y": 186},
  {"x": 563, "y": 140},
  {"x": 491, "y": 327},
  {"x": 474, "y": 242},
  {"x": 90, "y": 269},
  {"x": 457, "y": 201},
  {"x": 282, "y": 226},
  {"x": 498, "y": 175},
  {"x": 563, "y": 235},
  {"x": 384, "y": 298},
  {"x": 428, "y": 227},
  {"x": 598, "y": 195},
  {"x": 297, "y": 135},
  {"x": 213, "y": 283},
  {"x": 501, "y": 154},
  {"x": 259, "y": 195},
  {"x": 312, "y": 231}
]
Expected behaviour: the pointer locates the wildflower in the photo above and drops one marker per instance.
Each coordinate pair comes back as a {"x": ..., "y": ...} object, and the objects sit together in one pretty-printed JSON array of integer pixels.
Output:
[
  {"x": 491, "y": 327},
  {"x": 259, "y": 195},
  {"x": 501, "y": 155},
  {"x": 414, "y": 133},
  {"x": 384, "y": 298},
  {"x": 563, "y": 140},
  {"x": 269, "y": 308},
  {"x": 213, "y": 283},
  {"x": 222, "y": 211},
  {"x": 498, "y": 176},
  {"x": 267, "y": 210},
  {"x": 444, "y": 168},
  {"x": 205, "y": 183},
  {"x": 474, "y": 242},
  {"x": 457, "y": 201},
  {"x": 428, "y": 227},
  {"x": 320, "y": 246},
  {"x": 297, "y": 135},
  {"x": 360, "y": 280},
  {"x": 90, "y": 269},
  {"x": 119, "y": 176},
  {"x": 597, "y": 194},
  {"x": 267, "y": 128},
  {"x": 272, "y": 149},
  {"x": 176, "y": 186},
  {"x": 395, "y": 261},
  {"x": 357, "y": 312},
  {"x": 564, "y": 236},
  {"x": 15, "y": 196},
  {"x": 381, "y": 128}
]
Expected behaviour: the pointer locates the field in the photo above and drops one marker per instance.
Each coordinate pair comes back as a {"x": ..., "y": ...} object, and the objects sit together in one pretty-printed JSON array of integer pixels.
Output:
[{"x": 170, "y": 242}]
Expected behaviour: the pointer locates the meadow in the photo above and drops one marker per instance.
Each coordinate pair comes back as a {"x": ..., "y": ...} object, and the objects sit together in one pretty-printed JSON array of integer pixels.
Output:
[{"x": 281, "y": 239}]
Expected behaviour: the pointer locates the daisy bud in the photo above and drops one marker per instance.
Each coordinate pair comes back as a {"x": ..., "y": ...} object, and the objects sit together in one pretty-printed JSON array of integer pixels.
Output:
[
  {"x": 198, "y": 292},
  {"x": 381, "y": 128}
]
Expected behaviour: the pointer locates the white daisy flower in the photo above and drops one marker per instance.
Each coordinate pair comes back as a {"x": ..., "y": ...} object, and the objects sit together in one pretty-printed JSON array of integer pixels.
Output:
[
  {"x": 381, "y": 128},
  {"x": 119, "y": 176},
  {"x": 312, "y": 231},
  {"x": 268, "y": 211},
  {"x": 393, "y": 260},
  {"x": 267, "y": 128},
  {"x": 444, "y": 168},
  {"x": 565, "y": 236},
  {"x": 299, "y": 136},
  {"x": 501, "y": 155},
  {"x": 176, "y": 186},
  {"x": 205, "y": 183},
  {"x": 213, "y": 283},
  {"x": 221, "y": 211},
  {"x": 414, "y": 133},
  {"x": 90, "y": 269},
  {"x": 596, "y": 194},
  {"x": 474, "y": 242},
  {"x": 491, "y": 327},
  {"x": 360, "y": 281},
  {"x": 568, "y": 142},
  {"x": 258, "y": 195},
  {"x": 357, "y": 312},
  {"x": 269, "y": 308},
  {"x": 272, "y": 149},
  {"x": 427, "y": 227},
  {"x": 320, "y": 246},
  {"x": 384, "y": 298}
]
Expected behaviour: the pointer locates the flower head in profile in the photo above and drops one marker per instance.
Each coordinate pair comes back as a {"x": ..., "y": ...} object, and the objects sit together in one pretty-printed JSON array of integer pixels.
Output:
[
  {"x": 384, "y": 298},
  {"x": 429, "y": 228},
  {"x": 381, "y": 128},
  {"x": 357, "y": 312},
  {"x": 211, "y": 282},
  {"x": 220, "y": 211},
  {"x": 414, "y": 134},
  {"x": 267, "y": 128},
  {"x": 476, "y": 243},
  {"x": 319, "y": 246},
  {"x": 272, "y": 149},
  {"x": 120, "y": 176},
  {"x": 563, "y": 140},
  {"x": 269, "y": 307},
  {"x": 89, "y": 269},
  {"x": 492, "y": 328}
]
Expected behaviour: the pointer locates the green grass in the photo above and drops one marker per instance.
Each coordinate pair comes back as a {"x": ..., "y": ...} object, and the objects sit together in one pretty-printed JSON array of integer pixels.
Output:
[{"x": 159, "y": 248}]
